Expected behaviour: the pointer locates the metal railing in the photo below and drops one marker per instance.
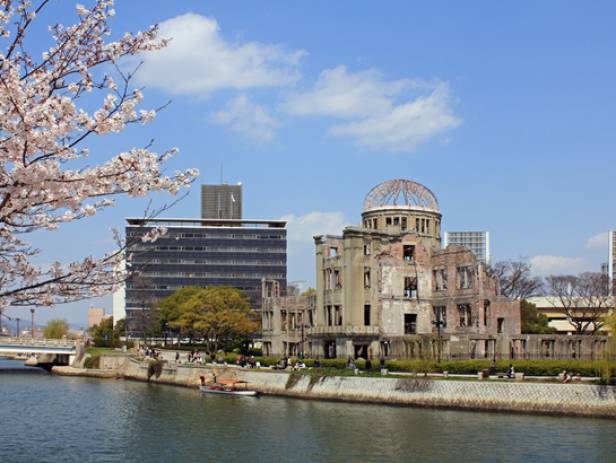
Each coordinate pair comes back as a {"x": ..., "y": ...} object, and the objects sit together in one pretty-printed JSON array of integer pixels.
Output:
[{"x": 30, "y": 342}]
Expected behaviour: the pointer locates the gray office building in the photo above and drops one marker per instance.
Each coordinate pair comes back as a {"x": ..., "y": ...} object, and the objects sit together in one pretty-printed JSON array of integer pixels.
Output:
[
  {"x": 476, "y": 241},
  {"x": 221, "y": 201},
  {"x": 202, "y": 252}
]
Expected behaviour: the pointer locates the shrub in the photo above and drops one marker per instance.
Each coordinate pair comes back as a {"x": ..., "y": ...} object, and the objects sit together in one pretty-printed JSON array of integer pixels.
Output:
[
  {"x": 92, "y": 362},
  {"x": 155, "y": 368}
]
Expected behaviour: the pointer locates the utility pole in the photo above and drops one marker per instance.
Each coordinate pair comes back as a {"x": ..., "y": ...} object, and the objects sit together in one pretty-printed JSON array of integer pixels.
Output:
[
  {"x": 17, "y": 320},
  {"x": 32, "y": 325}
]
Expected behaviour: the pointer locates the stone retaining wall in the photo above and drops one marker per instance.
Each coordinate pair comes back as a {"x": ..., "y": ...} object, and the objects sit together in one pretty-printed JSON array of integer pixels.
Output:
[
  {"x": 574, "y": 399},
  {"x": 565, "y": 399}
]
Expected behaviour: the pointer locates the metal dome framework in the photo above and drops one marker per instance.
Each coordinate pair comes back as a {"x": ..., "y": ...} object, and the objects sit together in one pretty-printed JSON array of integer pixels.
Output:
[{"x": 400, "y": 193}]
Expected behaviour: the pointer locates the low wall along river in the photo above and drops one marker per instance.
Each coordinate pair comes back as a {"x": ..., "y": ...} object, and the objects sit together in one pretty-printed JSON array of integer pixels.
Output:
[{"x": 545, "y": 398}]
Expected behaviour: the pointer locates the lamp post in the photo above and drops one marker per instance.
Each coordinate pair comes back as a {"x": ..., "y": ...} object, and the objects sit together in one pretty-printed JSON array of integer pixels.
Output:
[
  {"x": 438, "y": 323},
  {"x": 32, "y": 324},
  {"x": 17, "y": 320}
]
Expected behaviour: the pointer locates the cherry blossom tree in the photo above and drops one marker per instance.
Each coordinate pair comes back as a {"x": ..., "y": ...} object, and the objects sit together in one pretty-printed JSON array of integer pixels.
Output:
[{"x": 46, "y": 120}]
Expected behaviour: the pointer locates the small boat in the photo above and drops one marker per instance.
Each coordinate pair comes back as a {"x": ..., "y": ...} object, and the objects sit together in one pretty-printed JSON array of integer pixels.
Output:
[
  {"x": 229, "y": 387},
  {"x": 216, "y": 389}
]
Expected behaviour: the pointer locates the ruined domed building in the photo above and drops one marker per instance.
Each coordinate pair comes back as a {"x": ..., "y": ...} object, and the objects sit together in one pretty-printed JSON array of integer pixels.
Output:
[{"x": 387, "y": 288}]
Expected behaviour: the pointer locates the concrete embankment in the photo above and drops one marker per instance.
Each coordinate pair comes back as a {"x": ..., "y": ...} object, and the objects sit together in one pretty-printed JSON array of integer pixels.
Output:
[{"x": 555, "y": 399}]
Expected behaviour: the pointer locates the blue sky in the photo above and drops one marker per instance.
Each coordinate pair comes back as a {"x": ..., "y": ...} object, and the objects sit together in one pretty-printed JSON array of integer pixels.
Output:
[{"x": 507, "y": 111}]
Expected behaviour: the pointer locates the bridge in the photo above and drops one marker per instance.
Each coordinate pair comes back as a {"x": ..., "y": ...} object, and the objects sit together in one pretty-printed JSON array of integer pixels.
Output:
[{"x": 11, "y": 345}]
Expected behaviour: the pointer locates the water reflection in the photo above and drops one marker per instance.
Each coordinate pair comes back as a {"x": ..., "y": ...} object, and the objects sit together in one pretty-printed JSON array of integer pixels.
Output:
[{"x": 77, "y": 419}]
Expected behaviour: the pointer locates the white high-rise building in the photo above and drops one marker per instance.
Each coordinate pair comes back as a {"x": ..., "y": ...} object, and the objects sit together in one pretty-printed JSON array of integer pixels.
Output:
[
  {"x": 611, "y": 257},
  {"x": 476, "y": 241}
]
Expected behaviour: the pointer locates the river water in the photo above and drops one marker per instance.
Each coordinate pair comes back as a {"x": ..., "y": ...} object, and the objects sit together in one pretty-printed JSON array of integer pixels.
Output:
[{"x": 45, "y": 418}]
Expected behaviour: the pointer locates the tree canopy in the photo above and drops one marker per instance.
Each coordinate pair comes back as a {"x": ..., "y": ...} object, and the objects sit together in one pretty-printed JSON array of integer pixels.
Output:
[
  {"x": 106, "y": 334},
  {"x": 533, "y": 321},
  {"x": 218, "y": 314},
  {"x": 515, "y": 279},
  {"x": 55, "y": 329},
  {"x": 60, "y": 90}
]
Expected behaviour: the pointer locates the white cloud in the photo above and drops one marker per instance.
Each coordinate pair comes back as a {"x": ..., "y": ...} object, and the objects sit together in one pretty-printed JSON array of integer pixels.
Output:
[
  {"x": 555, "y": 265},
  {"x": 198, "y": 60},
  {"x": 248, "y": 118},
  {"x": 599, "y": 241},
  {"x": 301, "y": 229},
  {"x": 379, "y": 117},
  {"x": 340, "y": 94}
]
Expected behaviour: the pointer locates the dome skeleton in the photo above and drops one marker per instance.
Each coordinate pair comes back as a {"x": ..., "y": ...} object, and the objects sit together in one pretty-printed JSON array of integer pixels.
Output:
[{"x": 389, "y": 192}]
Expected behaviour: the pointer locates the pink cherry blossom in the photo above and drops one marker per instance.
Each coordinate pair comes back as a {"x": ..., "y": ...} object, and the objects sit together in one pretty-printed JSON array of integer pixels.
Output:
[{"x": 43, "y": 132}]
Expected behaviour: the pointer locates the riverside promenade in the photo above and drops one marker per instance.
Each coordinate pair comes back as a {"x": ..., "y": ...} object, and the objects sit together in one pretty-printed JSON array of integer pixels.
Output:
[{"x": 509, "y": 396}]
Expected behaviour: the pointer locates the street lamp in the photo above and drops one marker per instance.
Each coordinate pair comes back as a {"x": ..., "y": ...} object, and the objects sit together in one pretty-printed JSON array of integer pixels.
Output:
[
  {"x": 32, "y": 325},
  {"x": 438, "y": 323},
  {"x": 17, "y": 320}
]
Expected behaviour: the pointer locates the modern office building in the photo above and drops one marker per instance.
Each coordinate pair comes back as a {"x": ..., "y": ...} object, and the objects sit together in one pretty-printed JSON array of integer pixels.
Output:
[
  {"x": 221, "y": 201},
  {"x": 476, "y": 241},
  {"x": 201, "y": 252}
]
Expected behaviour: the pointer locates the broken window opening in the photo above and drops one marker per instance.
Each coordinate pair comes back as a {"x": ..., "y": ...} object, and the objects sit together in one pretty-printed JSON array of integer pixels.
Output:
[
  {"x": 388, "y": 221},
  {"x": 500, "y": 325},
  {"x": 374, "y": 224},
  {"x": 329, "y": 315},
  {"x": 410, "y": 287},
  {"x": 408, "y": 252},
  {"x": 440, "y": 279},
  {"x": 440, "y": 315},
  {"x": 465, "y": 277},
  {"x": 333, "y": 251},
  {"x": 366, "y": 249},
  {"x": 465, "y": 314},
  {"x": 403, "y": 223},
  {"x": 417, "y": 225},
  {"x": 338, "y": 279},
  {"x": 396, "y": 220},
  {"x": 486, "y": 312},
  {"x": 410, "y": 323},
  {"x": 366, "y": 278},
  {"x": 338, "y": 315},
  {"x": 367, "y": 315},
  {"x": 283, "y": 321}
]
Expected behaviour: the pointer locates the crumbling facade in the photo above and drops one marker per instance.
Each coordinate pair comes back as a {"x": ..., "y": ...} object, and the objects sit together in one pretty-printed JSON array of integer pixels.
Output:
[
  {"x": 285, "y": 320},
  {"x": 388, "y": 289}
]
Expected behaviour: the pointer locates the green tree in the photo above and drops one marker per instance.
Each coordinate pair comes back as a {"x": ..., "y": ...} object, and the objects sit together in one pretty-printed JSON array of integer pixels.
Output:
[
  {"x": 105, "y": 334},
  {"x": 533, "y": 321},
  {"x": 170, "y": 308},
  {"x": 309, "y": 292},
  {"x": 219, "y": 314},
  {"x": 55, "y": 329}
]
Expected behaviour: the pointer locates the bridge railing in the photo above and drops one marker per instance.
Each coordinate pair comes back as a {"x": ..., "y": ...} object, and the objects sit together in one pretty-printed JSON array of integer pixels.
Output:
[{"x": 6, "y": 340}]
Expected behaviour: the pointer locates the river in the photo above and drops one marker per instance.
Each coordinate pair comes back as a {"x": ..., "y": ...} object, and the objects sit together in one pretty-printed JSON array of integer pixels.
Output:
[{"x": 45, "y": 418}]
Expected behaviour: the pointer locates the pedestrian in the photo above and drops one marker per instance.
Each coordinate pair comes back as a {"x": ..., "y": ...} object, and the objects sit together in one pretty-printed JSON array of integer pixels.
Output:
[
  {"x": 492, "y": 371},
  {"x": 177, "y": 356},
  {"x": 511, "y": 371}
]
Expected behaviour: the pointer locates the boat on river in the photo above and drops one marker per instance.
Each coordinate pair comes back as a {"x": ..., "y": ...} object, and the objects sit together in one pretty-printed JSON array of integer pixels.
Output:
[{"x": 228, "y": 387}]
